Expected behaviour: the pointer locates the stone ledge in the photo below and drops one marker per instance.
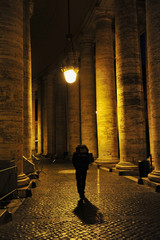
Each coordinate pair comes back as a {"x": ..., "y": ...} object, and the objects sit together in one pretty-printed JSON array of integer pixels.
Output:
[
  {"x": 21, "y": 194},
  {"x": 7, "y": 212},
  {"x": 106, "y": 166},
  {"x": 126, "y": 172},
  {"x": 149, "y": 183},
  {"x": 132, "y": 175},
  {"x": 106, "y": 169},
  {"x": 110, "y": 168}
]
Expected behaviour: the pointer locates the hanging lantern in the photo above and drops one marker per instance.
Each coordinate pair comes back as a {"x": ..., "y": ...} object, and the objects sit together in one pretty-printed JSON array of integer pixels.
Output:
[{"x": 70, "y": 62}]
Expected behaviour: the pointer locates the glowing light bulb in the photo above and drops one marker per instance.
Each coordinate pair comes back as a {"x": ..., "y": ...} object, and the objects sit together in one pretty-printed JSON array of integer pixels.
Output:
[{"x": 70, "y": 76}]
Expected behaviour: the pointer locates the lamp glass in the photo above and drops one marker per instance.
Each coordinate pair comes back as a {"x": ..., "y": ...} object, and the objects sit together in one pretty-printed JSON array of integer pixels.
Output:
[{"x": 70, "y": 76}]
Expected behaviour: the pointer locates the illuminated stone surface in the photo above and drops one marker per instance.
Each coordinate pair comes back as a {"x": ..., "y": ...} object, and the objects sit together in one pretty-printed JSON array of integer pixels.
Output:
[
  {"x": 11, "y": 85},
  {"x": 73, "y": 116},
  {"x": 117, "y": 208},
  {"x": 88, "y": 95},
  {"x": 105, "y": 90},
  {"x": 61, "y": 121},
  {"x": 153, "y": 52},
  {"x": 27, "y": 112},
  {"x": 130, "y": 102}
]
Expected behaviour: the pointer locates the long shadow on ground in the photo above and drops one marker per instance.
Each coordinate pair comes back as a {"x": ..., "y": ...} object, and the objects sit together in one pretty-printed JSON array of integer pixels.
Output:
[{"x": 88, "y": 213}]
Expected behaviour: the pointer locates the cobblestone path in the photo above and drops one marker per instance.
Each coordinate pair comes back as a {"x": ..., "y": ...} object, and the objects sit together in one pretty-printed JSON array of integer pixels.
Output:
[{"x": 115, "y": 208}]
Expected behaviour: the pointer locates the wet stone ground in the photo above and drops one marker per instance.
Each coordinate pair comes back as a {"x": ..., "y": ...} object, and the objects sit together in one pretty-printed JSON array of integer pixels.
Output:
[{"x": 115, "y": 208}]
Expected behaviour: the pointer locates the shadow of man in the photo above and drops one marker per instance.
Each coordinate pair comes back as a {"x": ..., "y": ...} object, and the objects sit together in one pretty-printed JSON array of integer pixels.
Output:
[{"x": 87, "y": 212}]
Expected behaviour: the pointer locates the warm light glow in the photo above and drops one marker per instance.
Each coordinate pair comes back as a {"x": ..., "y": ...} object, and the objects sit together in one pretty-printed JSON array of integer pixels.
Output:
[{"x": 70, "y": 76}]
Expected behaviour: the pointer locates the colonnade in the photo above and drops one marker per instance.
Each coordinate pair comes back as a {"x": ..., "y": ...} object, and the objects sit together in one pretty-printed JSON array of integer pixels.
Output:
[{"x": 103, "y": 109}]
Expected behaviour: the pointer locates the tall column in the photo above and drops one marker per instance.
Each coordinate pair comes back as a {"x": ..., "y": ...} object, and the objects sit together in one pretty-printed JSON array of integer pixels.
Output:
[
  {"x": 27, "y": 135},
  {"x": 11, "y": 85},
  {"x": 88, "y": 95},
  {"x": 73, "y": 117},
  {"x": 51, "y": 113},
  {"x": 130, "y": 99},
  {"x": 34, "y": 116},
  {"x": 61, "y": 124},
  {"x": 40, "y": 133},
  {"x": 105, "y": 90},
  {"x": 48, "y": 114},
  {"x": 153, "y": 60},
  {"x": 44, "y": 115}
]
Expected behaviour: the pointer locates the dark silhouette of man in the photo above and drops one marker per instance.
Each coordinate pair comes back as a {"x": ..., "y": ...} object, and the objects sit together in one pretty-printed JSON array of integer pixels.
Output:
[{"x": 81, "y": 159}]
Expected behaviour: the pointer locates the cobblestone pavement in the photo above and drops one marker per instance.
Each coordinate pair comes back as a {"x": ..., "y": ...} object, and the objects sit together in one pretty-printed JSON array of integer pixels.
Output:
[{"x": 115, "y": 208}]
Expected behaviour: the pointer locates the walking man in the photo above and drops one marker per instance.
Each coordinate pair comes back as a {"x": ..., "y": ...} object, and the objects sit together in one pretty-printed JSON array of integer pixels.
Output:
[{"x": 81, "y": 159}]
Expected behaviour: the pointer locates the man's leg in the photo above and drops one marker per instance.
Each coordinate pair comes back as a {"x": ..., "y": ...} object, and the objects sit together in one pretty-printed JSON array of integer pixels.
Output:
[
  {"x": 83, "y": 179},
  {"x": 79, "y": 181}
]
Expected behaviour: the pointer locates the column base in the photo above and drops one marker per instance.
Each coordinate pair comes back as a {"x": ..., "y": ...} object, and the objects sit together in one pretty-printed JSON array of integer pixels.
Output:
[
  {"x": 22, "y": 180},
  {"x": 126, "y": 166},
  {"x": 154, "y": 176},
  {"x": 109, "y": 161}
]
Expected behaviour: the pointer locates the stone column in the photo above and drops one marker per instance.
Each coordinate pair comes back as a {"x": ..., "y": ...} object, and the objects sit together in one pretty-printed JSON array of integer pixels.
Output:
[
  {"x": 33, "y": 116},
  {"x": 105, "y": 90},
  {"x": 73, "y": 116},
  {"x": 130, "y": 98},
  {"x": 44, "y": 116},
  {"x": 27, "y": 134},
  {"x": 48, "y": 114},
  {"x": 40, "y": 96},
  {"x": 88, "y": 95},
  {"x": 51, "y": 113},
  {"x": 61, "y": 124},
  {"x": 153, "y": 54},
  {"x": 11, "y": 85}
]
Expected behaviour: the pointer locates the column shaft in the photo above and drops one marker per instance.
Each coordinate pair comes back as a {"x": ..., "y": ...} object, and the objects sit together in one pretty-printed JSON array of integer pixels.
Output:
[
  {"x": 153, "y": 60},
  {"x": 61, "y": 124},
  {"x": 27, "y": 135},
  {"x": 88, "y": 96},
  {"x": 105, "y": 90},
  {"x": 73, "y": 117},
  {"x": 11, "y": 85},
  {"x": 44, "y": 116},
  {"x": 51, "y": 114},
  {"x": 40, "y": 133},
  {"x": 33, "y": 117},
  {"x": 48, "y": 114},
  {"x": 130, "y": 99}
]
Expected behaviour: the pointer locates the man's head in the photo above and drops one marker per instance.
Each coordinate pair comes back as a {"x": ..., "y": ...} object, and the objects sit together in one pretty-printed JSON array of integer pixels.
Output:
[{"x": 82, "y": 149}]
